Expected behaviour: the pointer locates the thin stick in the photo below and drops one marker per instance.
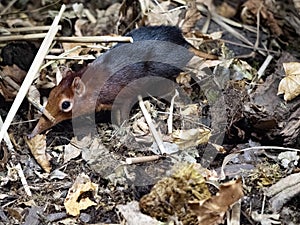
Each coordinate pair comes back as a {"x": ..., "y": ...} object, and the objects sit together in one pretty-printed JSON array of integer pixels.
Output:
[
  {"x": 257, "y": 27},
  {"x": 62, "y": 55},
  {"x": 263, "y": 67},
  {"x": 263, "y": 205},
  {"x": 142, "y": 159},
  {"x": 86, "y": 39},
  {"x": 23, "y": 180},
  {"x": 26, "y": 29},
  {"x": 235, "y": 43},
  {"x": 22, "y": 37},
  {"x": 37, "y": 105},
  {"x": 163, "y": 11},
  {"x": 92, "y": 39},
  {"x": 32, "y": 72},
  {"x": 269, "y": 148},
  {"x": 155, "y": 134},
  {"x": 90, "y": 16},
  {"x": 6, "y": 137},
  {"x": 81, "y": 57},
  {"x": 170, "y": 118},
  {"x": 10, "y": 4}
]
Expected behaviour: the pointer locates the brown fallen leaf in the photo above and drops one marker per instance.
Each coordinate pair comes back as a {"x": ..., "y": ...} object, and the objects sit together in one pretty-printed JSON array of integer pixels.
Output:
[
  {"x": 290, "y": 85},
  {"x": 37, "y": 146},
  {"x": 212, "y": 211},
  {"x": 251, "y": 8},
  {"x": 14, "y": 73},
  {"x": 192, "y": 16},
  {"x": 74, "y": 201}
]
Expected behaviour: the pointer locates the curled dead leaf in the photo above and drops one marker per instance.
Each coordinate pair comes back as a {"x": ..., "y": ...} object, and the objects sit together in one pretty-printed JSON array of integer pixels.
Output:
[
  {"x": 212, "y": 210},
  {"x": 37, "y": 146}
]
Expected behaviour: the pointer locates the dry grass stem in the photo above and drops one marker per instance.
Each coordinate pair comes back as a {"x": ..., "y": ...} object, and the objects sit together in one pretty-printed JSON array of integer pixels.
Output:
[
  {"x": 90, "y": 39},
  {"x": 23, "y": 180},
  {"x": 35, "y": 66},
  {"x": 25, "y": 29},
  {"x": 37, "y": 105},
  {"x": 142, "y": 159},
  {"x": 155, "y": 134}
]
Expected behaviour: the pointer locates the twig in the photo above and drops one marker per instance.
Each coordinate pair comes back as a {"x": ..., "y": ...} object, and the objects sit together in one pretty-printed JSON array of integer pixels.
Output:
[
  {"x": 170, "y": 118},
  {"x": 270, "y": 148},
  {"x": 233, "y": 215},
  {"x": 10, "y": 4},
  {"x": 6, "y": 137},
  {"x": 206, "y": 24},
  {"x": 242, "y": 45},
  {"x": 90, "y": 39},
  {"x": 155, "y": 134},
  {"x": 257, "y": 27},
  {"x": 37, "y": 105},
  {"x": 167, "y": 13},
  {"x": 263, "y": 205},
  {"x": 23, "y": 180},
  {"x": 233, "y": 155},
  {"x": 142, "y": 159},
  {"x": 182, "y": 2},
  {"x": 22, "y": 37},
  {"x": 90, "y": 16},
  {"x": 263, "y": 67},
  {"x": 32, "y": 72},
  {"x": 61, "y": 55},
  {"x": 25, "y": 29},
  {"x": 221, "y": 22},
  {"x": 81, "y": 57}
]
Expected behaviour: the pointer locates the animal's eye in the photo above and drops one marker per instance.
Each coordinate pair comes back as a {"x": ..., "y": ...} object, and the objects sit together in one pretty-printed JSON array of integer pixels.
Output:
[{"x": 66, "y": 106}]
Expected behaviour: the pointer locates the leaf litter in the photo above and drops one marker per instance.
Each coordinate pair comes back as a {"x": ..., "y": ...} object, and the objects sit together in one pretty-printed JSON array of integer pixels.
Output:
[{"x": 60, "y": 179}]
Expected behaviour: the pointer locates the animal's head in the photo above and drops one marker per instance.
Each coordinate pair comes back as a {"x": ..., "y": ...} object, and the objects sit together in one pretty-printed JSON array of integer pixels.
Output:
[{"x": 61, "y": 102}]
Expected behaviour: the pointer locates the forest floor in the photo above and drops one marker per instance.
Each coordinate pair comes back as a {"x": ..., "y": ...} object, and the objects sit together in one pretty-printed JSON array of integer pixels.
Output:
[{"x": 220, "y": 147}]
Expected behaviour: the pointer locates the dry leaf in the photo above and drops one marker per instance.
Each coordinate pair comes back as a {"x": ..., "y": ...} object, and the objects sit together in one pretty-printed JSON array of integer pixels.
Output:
[
  {"x": 251, "y": 8},
  {"x": 212, "y": 211},
  {"x": 71, "y": 152},
  {"x": 160, "y": 14},
  {"x": 290, "y": 85},
  {"x": 133, "y": 215},
  {"x": 226, "y": 10},
  {"x": 73, "y": 202},
  {"x": 140, "y": 127},
  {"x": 8, "y": 88},
  {"x": 74, "y": 148},
  {"x": 33, "y": 93},
  {"x": 265, "y": 219},
  {"x": 192, "y": 16},
  {"x": 191, "y": 109},
  {"x": 193, "y": 137},
  {"x": 37, "y": 147},
  {"x": 184, "y": 78}
]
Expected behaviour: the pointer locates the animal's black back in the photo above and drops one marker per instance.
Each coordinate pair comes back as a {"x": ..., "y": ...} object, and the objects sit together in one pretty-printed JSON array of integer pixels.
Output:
[
  {"x": 159, "y": 51},
  {"x": 160, "y": 33}
]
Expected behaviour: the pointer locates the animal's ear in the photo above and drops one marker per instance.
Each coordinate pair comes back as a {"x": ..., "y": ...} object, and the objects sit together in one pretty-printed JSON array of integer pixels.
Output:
[
  {"x": 65, "y": 71},
  {"x": 78, "y": 86}
]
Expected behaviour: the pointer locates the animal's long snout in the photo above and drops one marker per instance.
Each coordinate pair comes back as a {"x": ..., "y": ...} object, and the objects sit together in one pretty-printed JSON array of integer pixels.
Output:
[{"x": 41, "y": 126}]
